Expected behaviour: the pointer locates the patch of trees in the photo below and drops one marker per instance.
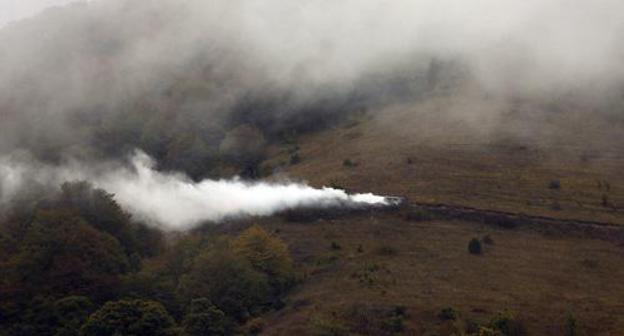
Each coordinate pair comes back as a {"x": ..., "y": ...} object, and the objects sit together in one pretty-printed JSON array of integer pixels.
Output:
[{"x": 74, "y": 263}]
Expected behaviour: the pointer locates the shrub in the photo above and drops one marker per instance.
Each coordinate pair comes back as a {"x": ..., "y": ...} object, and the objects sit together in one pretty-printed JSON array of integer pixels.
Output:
[
  {"x": 335, "y": 246},
  {"x": 72, "y": 312},
  {"x": 135, "y": 317},
  {"x": 554, "y": 184},
  {"x": 571, "y": 326},
  {"x": 507, "y": 323},
  {"x": 386, "y": 250},
  {"x": 448, "y": 313},
  {"x": 267, "y": 254},
  {"x": 62, "y": 253},
  {"x": 204, "y": 319},
  {"x": 394, "y": 324},
  {"x": 474, "y": 246},
  {"x": 484, "y": 331},
  {"x": 349, "y": 163},
  {"x": 375, "y": 320},
  {"x": 229, "y": 281},
  {"x": 295, "y": 158}
]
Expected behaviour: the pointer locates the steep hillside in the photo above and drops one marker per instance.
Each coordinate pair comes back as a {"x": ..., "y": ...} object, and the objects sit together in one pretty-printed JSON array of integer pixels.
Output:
[
  {"x": 424, "y": 153},
  {"x": 359, "y": 270}
]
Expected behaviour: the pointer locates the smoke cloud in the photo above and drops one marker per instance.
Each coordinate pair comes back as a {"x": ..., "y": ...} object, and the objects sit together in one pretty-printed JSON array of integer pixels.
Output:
[
  {"x": 94, "y": 80},
  {"x": 172, "y": 200},
  {"x": 92, "y": 57}
]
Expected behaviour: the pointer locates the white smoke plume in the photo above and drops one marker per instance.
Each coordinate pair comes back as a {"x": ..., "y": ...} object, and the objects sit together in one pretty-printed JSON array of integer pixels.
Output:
[{"x": 172, "y": 200}]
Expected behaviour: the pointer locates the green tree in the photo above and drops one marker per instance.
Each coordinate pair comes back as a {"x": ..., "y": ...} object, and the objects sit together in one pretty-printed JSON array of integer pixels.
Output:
[
  {"x": 62, "y": 254},
  {"x": 205, "y": 319},
  {"x": 266, "y": 254},
  {"x": 71, "y": 312},
  {"x": 229, "y": 281},
  {"x": 101, "y": 211},
  {"x": 129, "y": 318}
]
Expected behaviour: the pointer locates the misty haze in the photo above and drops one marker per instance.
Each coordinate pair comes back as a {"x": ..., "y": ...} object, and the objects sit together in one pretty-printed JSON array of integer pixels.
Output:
[{"x": 348, "y": 167}]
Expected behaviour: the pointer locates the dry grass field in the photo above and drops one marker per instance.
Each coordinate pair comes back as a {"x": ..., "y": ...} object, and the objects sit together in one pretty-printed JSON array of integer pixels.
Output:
[
  {"x": 433, "y": 160},
  {"x": 385, "y": 261},
  {"x": 378, "y": 262}
]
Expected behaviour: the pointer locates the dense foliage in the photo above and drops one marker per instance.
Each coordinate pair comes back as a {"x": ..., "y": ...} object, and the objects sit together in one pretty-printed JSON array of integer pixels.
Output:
[{"x": 74, "y": 263}]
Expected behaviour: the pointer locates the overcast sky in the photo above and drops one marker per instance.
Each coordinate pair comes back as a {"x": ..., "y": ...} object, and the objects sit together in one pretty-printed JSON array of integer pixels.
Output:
[{"x": 11, "y": 10}]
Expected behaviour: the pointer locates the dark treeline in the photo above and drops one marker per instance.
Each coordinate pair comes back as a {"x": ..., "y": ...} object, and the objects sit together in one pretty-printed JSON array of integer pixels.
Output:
[{"x": 74, "y": 263}]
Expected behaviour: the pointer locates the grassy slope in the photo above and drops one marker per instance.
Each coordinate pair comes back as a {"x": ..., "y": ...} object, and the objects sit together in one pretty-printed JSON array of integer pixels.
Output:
[
  {"x": 542, "y": 277},
  {"x": 453, "y": 164}
]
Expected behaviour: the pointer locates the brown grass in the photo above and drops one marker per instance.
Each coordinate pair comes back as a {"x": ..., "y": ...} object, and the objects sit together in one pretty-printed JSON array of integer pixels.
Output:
[{"x": 542, "y": 277}]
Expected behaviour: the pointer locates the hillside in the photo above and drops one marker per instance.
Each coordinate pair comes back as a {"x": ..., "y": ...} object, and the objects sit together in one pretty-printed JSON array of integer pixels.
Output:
[
  {"x": 542, "y": 273},
  {"x": 323, "y": 168},
  {"x": 411, "y": 151}
]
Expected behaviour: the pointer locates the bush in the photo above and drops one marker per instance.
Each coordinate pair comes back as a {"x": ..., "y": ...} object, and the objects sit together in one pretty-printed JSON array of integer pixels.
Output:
[
  {"x": 507, "y": 323},
  {"x": 448, "y": 314},
  {"x": 484, "y": 331},
  {"x": 72, "y": 312},
  {"x": 474, "y": 246},
  {"x": 571, "y": 326},
  {"x": 229, "y": 281},
  {"x": 349, "y": 163},
  {"x": 205, "y": 319},
  {"x": 63, "y": 254},
  {"x": 386, "y": 250},
  {"x": 554, "y": 184},
  {"x": 267, "y": 254},
  {"x": 335, "y": 246},
  {"x": 295, "y": 158},
  {"x": 135, "y": 317}
]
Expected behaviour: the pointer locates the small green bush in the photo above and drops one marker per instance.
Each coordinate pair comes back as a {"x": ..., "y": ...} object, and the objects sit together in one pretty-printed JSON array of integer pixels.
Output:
[
  {"x": 507, "y": 323},
  {"x": 348, "y": 163},
  {"x": 295, "y": 158},
  {"x": 571, "y": 326},
  {"x": 386, "y": 250},
  {"x": 448, "y": 314},
  {"x": 554, "y": 184},
  {"x": 474, "y": 246}
]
